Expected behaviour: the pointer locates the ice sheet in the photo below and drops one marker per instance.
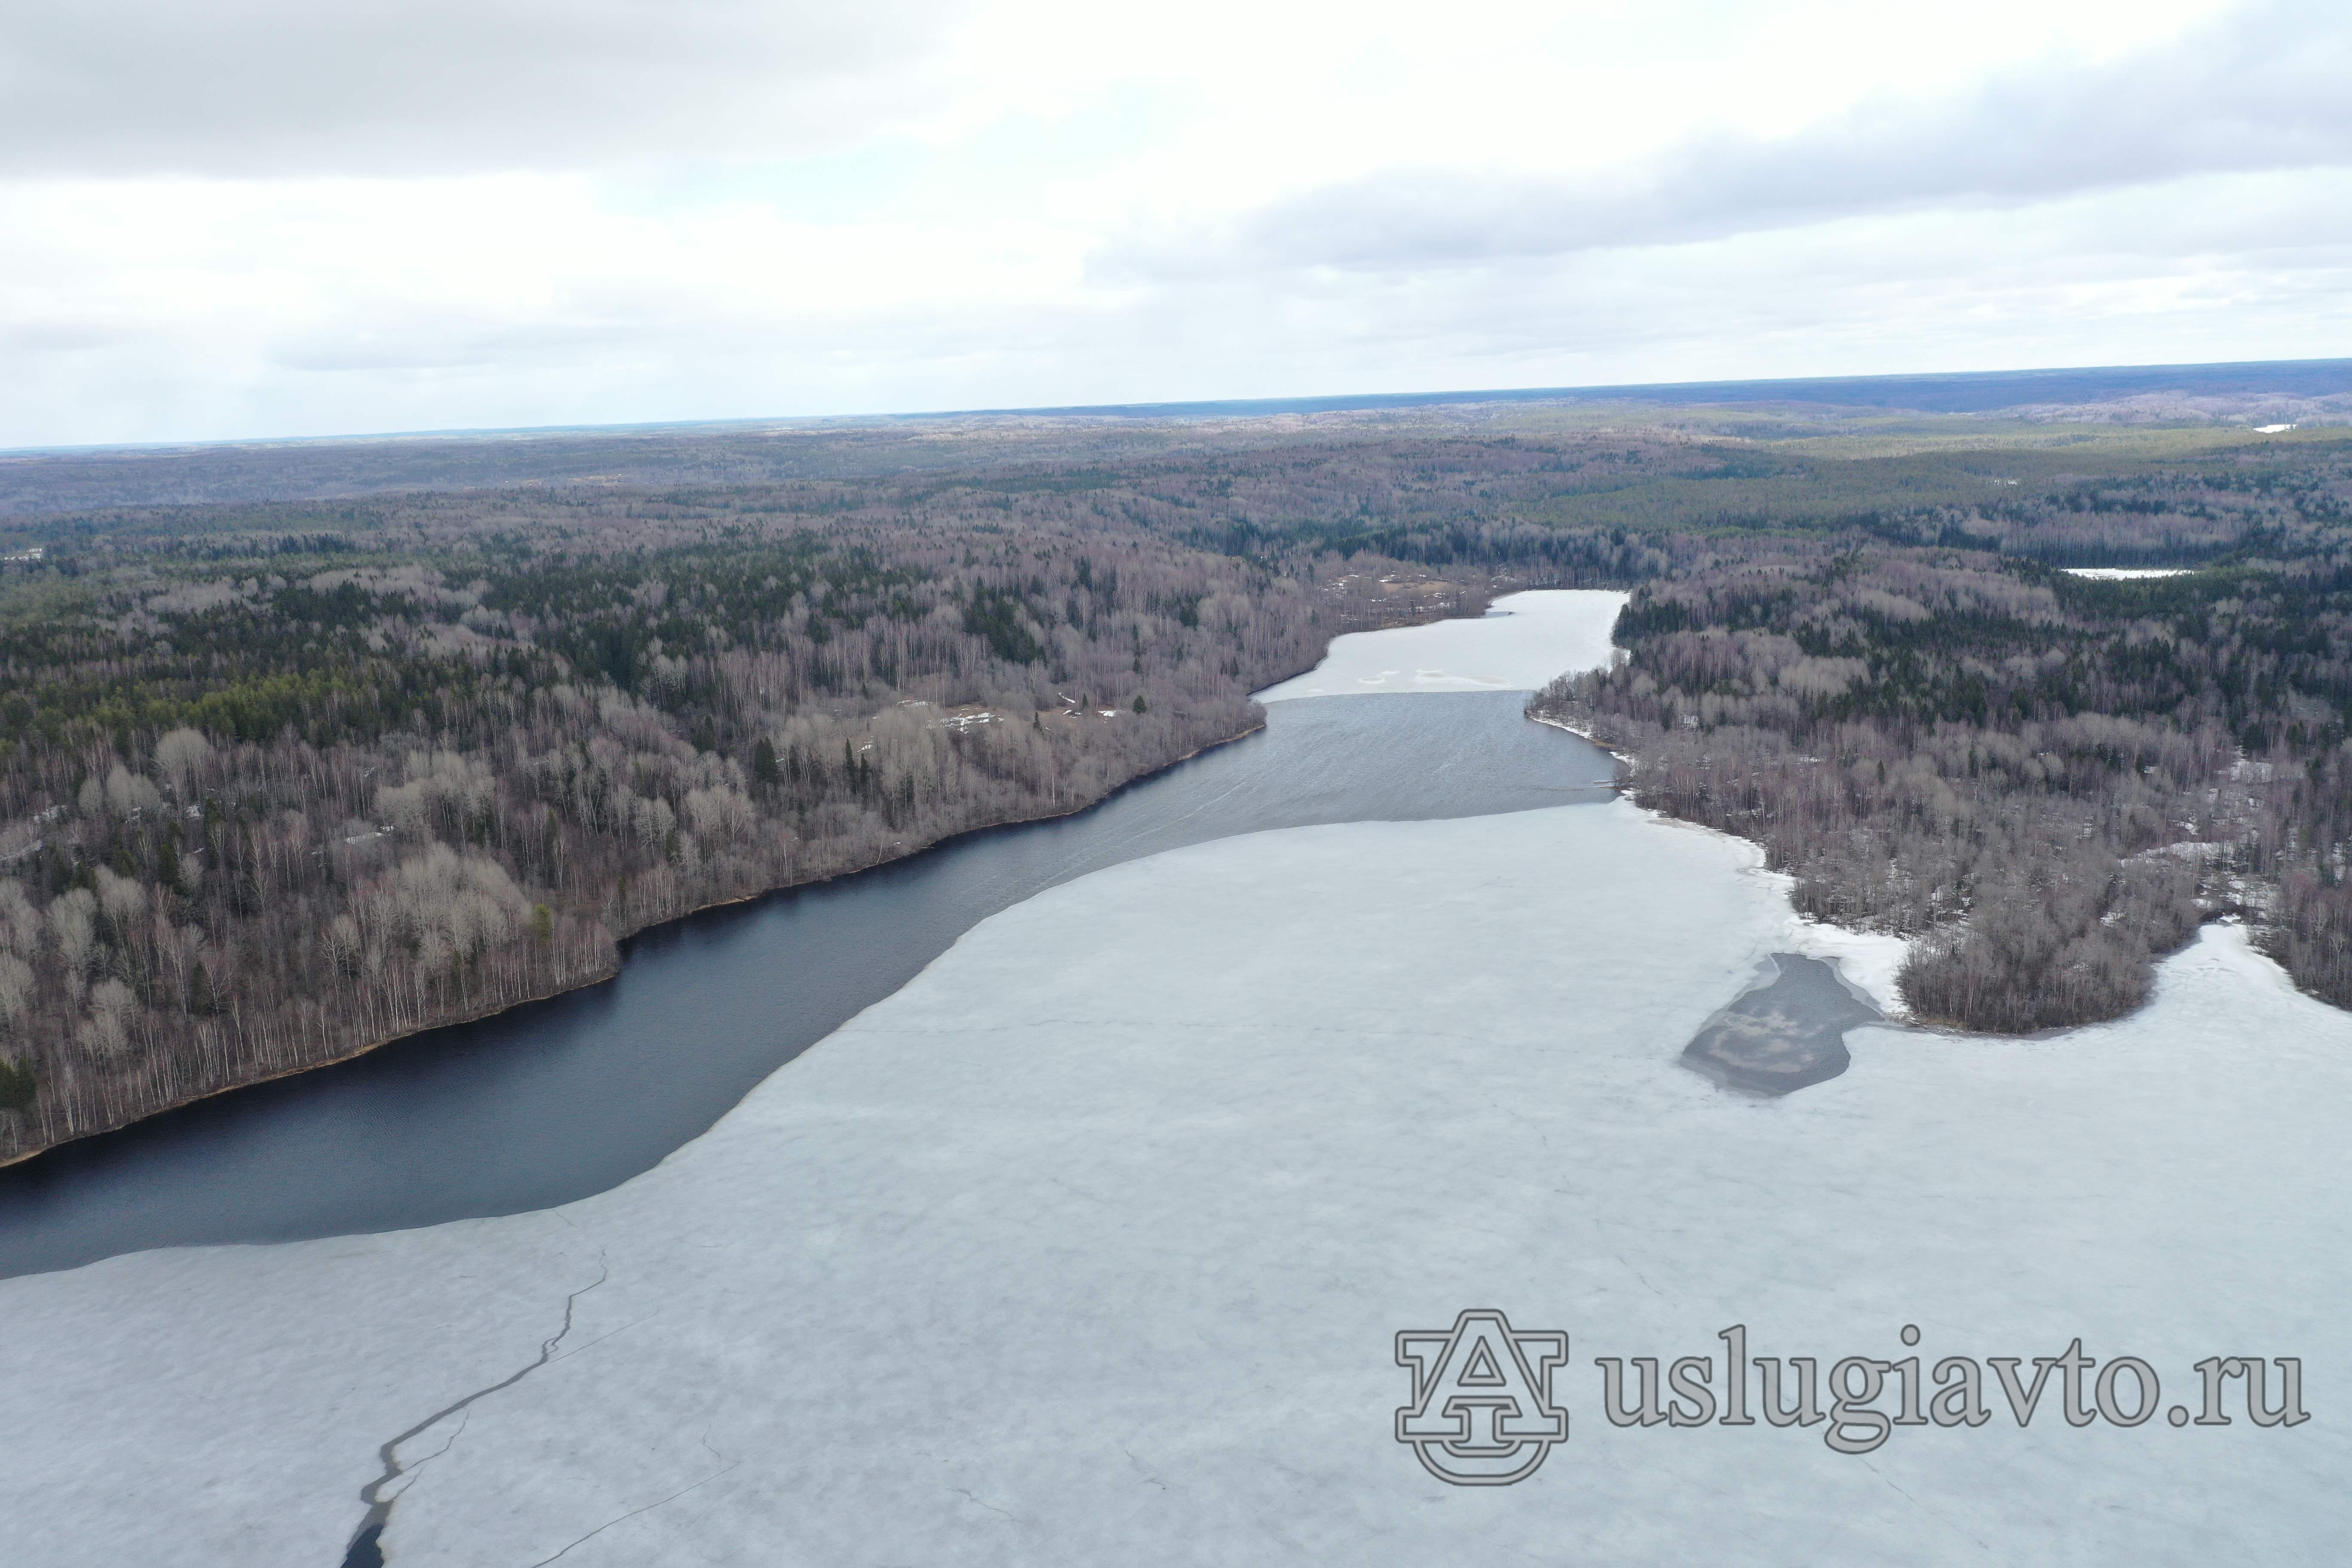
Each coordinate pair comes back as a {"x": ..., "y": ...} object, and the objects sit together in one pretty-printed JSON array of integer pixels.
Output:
[
  {"x": 1089, "y": 1246},
  {"x": 1524, "y": 640}
]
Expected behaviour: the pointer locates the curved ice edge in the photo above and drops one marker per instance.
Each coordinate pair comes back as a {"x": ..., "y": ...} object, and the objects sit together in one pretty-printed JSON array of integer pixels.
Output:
[{"x": 1785, "y": 1033}]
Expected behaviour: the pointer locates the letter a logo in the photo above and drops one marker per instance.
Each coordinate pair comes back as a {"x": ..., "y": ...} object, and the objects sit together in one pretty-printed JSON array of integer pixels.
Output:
[{"x": 1482, "y": 1414}]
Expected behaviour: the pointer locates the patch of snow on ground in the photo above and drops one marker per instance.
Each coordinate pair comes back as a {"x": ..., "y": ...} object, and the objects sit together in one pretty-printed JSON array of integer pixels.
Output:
[
  {"x": 2125, "y": 573},
  {"x": 1523, "y": 641},
  {"x": 1011, "y": 1271}
]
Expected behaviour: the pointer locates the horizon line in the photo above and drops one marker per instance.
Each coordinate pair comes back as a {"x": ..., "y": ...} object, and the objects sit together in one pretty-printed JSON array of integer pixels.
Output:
[{"x": 1683, "y": 393}]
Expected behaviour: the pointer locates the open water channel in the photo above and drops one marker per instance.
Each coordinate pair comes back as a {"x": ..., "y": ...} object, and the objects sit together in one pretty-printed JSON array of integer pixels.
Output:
[{"x": 558, "y": 1099}]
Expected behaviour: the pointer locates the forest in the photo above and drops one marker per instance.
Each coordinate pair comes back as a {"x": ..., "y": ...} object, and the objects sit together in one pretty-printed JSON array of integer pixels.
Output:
[
  {"x": 272, "y": 795},
  {"x": 2048, "y": 779},
  {"x": 283, "y": 778}
]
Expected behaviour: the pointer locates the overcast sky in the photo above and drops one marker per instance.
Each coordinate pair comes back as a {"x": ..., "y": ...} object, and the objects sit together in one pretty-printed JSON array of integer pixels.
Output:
[{"x": 252, "y": 218}]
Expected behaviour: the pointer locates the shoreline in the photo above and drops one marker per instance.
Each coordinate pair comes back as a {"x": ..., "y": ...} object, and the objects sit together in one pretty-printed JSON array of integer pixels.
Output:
[
  {"x": 1586, "y": 736},
  {"x": 1897, "y": 1010},
  {"x": 1837, "y": 945},
  {"x": 622, "y": 938}
]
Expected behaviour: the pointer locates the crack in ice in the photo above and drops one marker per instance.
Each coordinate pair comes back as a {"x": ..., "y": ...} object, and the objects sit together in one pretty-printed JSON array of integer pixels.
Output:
[
  {"x": 648, "y": 1508},
  {"x": 366, "y": 1550},
  {"x": 967, "y": 1494}
]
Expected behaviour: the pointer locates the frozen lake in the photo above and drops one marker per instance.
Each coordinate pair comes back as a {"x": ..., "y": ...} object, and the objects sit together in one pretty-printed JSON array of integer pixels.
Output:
[
  {"x": 1522, "y": 642},
  {"x": 1104, "y": 1239},
  {"x": 1092, "y": 1245}
]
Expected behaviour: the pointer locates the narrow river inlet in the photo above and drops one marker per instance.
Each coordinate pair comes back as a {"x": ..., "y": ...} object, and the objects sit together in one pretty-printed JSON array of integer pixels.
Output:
[{"x": 556, "y": 1100}]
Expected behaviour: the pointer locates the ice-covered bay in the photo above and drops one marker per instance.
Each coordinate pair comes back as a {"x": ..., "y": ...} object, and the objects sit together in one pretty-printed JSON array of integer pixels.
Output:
[
  {"x": 1089, "y": 1247},
  {"x": 1521, "y": 643}
]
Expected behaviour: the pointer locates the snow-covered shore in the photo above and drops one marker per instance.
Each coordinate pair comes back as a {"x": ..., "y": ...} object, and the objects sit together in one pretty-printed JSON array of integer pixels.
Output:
[
  {"x": 1090, "y": 1246},
  {"x": 1870, "y": 962}
]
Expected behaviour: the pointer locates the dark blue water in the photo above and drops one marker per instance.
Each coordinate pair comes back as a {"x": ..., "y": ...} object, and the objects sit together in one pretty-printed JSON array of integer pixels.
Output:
[{"x": 560, "y": 1100}]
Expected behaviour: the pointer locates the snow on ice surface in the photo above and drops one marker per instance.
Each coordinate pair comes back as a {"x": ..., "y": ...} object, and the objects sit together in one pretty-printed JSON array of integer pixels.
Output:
[
  {"x": 1090, "y": 1246},
  {"x": 2125, "y": 573},
  {"x": 1524, "y": 640},
  {"x": 1868, "y": 961}
]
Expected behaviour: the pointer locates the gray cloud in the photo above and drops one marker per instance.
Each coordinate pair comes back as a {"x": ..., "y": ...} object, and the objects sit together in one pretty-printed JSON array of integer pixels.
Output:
[
  {"x": 279, "y": 87},
  {"x": 2269, "y": 89}
]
